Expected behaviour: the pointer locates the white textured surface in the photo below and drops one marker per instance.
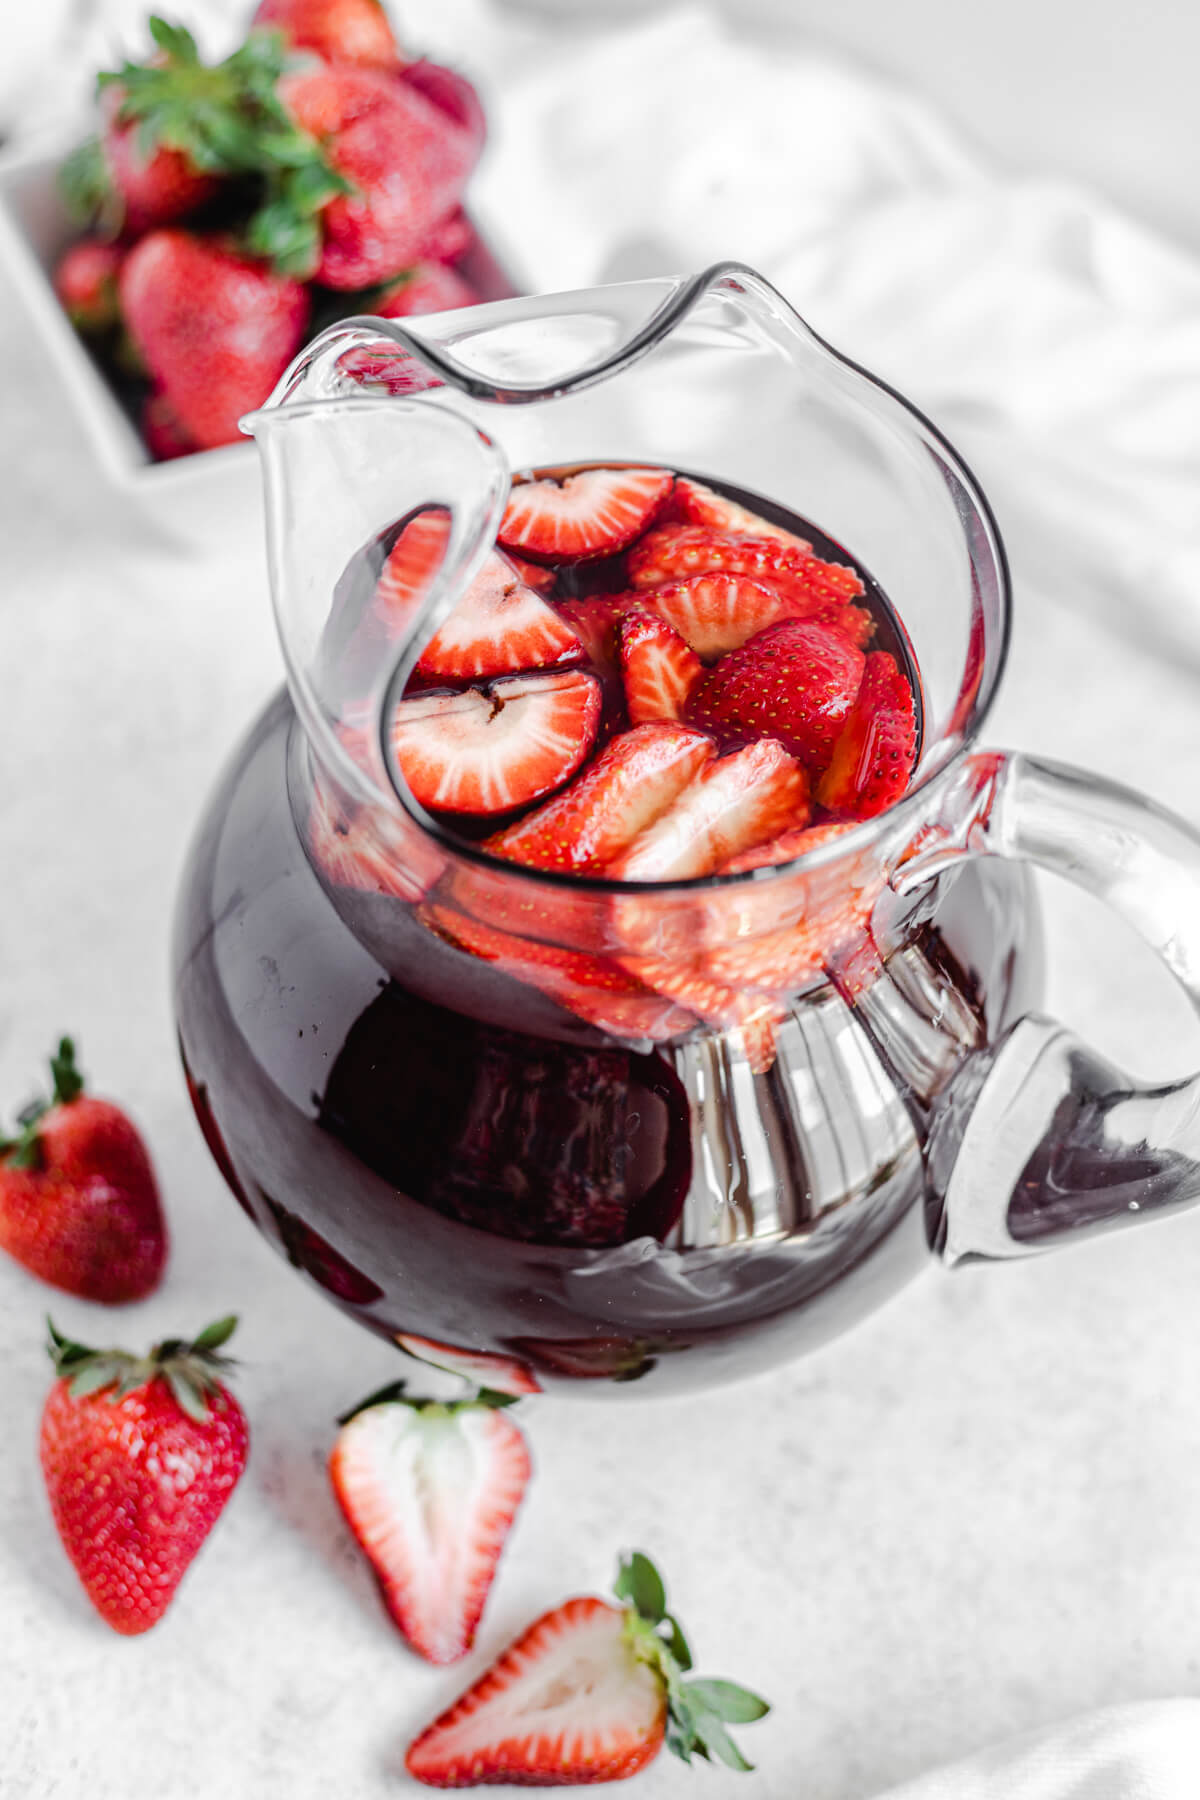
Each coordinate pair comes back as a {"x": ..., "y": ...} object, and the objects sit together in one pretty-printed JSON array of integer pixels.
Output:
[{"x": 977, "y": 1515}]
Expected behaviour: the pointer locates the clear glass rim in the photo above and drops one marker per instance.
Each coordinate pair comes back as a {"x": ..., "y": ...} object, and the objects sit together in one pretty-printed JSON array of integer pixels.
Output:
[{"x": 683, "y": 295}]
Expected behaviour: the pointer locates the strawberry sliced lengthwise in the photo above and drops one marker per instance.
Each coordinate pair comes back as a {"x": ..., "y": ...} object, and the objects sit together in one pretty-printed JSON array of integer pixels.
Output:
[
  {"x": 592, "y": 513},
  {"x": 873, "y": 758}
]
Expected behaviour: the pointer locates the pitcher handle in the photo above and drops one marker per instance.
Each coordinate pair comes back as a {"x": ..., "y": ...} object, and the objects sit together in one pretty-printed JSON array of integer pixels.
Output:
[{"x": 1040, "y": 1140}]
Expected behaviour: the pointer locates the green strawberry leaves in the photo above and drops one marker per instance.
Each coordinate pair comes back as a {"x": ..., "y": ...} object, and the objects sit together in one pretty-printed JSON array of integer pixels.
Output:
[
  {"x": 190, "y": 1369},
  {"x": 396, "y": 1393},
  {"x": 697, "y": 1711},
  {"x": 25, "y": 1150},
  {"x": 227, "y": 119}
]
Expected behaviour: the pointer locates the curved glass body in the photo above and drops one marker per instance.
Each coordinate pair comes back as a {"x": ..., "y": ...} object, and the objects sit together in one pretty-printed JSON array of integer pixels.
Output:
[{"x": 463, "y": 1152}]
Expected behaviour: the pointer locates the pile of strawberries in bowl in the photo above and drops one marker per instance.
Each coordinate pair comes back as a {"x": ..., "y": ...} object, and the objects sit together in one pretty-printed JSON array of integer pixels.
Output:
[{"x": 232, "y": 210}]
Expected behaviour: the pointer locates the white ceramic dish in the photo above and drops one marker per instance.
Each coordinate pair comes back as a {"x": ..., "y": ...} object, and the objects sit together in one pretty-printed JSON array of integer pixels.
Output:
[{"x": 34, "y": 230}]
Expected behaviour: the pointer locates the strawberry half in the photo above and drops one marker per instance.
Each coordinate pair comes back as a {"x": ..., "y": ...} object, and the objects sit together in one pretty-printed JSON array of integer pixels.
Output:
[
  {"x": 795, "y": 682},
  {"x": 657, "y": 666},
  {"x": 499, "y": 627},
  {"x": 733, "y": 803},
  {"x": 589, "y": 514},
  {"x": 717, "y": 613},
  {"x": 594, "y": 621},
  {"x": 635, "y": 778},
  {"x": 694, "y": 504},
  {"x": 483, "y": 1368},
  {"x": 786, "y": 848},
  {"x": 873, "y": 758},
  {"x": 431, "y": 1491},
  {"x": 588, "y": 1693},
  {"x": 596, "y": 989},
  {"x": 489, "y": 751},
  {"x": 670, "y": 551}
]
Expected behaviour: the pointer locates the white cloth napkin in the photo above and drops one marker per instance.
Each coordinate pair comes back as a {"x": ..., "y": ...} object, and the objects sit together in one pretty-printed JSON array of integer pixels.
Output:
[
  {"x": 1056, "y": 341},
  {"x": 1145, "y": 1752}
]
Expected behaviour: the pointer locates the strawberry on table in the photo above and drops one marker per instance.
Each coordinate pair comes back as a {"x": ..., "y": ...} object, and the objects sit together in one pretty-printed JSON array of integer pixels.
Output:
[
  {"x": 347, "y": 31},
  {"x": 591, "y": 513},
  {"x": 164, "y": 434},
  {"x": 139, "y": 1455},
  {"x": 635, "y": 778},
  {"x": 430, "y": 1490},
  {"x": 215, "y": 328},
  {"x": 427, "y": 287},
  {"x": 79, "y": 1204},
  {"x": 795, "y": 682},
  {"x": 873, "y": 757},
  {"x": 658, "y": 668},
  {"x": 85, "y": 281},
  {"x": 402, "y": 161},
  {"x": 589, "y": 1693},
  {"x": 453, "y": 95},
  {"x": 490, "y": 751}
]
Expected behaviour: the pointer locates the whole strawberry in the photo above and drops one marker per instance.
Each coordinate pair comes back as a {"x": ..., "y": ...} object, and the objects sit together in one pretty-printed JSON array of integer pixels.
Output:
[
  {"x": 85, "y": 280},
  {"x": 346, "y": 31},
  {"x": 216, "y": 328},
  {"x": 79, "y": 1204},
  {"x": 139, "y": 1455},
  {"x": 405, "y": 160}
]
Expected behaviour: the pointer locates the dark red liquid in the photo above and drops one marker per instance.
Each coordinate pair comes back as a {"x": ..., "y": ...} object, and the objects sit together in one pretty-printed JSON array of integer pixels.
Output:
[{"x": 447, "y": 1153}]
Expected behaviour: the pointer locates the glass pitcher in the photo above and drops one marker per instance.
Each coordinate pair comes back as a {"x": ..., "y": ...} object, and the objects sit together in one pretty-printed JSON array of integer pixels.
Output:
[{"x": 481, "y": 1105}]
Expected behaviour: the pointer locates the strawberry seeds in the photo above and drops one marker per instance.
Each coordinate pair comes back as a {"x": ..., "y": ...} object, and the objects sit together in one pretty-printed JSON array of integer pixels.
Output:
[{"x": 648, "y": 681}]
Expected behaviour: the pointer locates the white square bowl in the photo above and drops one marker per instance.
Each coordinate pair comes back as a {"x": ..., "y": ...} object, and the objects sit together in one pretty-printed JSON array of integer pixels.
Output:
[{"x": 34, "y": 232}]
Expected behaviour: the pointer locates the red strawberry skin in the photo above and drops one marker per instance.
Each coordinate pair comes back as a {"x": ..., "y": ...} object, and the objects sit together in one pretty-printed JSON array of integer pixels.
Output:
[
  {"x": 88, "y": 1218},
  {"x": 795, "y": 682},
  {"x": 567, "y": 1705},
  {"x": 590, "y": 513},
  {"x": 165, "y": 437},
  {"x": 346, "y": 31},
  {"x": 407, "y": 160},
  {"x": 85, "y": 281},
  {"x": 428, "y": 287},
  {"x": 135, "y": 1487},
  {"x": 873, "y": 758},
  {"x": 452, "y": 94},
  {"x": 671, "y": 551},
  {"x": 658, "y": 668},
  {"x": 156, "y": 189},
  {"x": 216, "y": 329}
]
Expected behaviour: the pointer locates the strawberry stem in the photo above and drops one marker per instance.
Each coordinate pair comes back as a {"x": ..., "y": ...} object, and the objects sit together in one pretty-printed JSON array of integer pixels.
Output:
[
  {"x": 191, "y": 1369},
  {"x": 68, "y": 1081},
  {"x": 697, "y": 1711},
  {"x": 25, "y": 1150}
]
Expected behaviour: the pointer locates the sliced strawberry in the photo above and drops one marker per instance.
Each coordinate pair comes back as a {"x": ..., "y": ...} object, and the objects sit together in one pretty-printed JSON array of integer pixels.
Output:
[
  {"x": 794, "y": 682},
  {"x": 569, "y": 1702},
  {"x": 873, "y": 758},
  {"x": 596, "y": 989},
  {"x": 588, "y": 1693},
  {"x": 657, "y": 666},
  {"x": 594, "y": 621},
  {"x": 589, "y": 514},
  {"x": 670, "y": 551},
  {"x": 430, "y": 1491},
  {"x": 635, "y": 778},
  {"x": 349, "y": 853},
  {"x": 490, "y": 751},
  {"x": 500, "y": 626},
  {"x": 787, "y": 847},
  {"x": 412, "y": 563},
  {"x": 486, "y": 1368},
  {"x": 694, "y": 504},
  {"x": 733, "y": 804},
  {"x": 717, "y": 613},
  {"x": 535, "y": 575}
]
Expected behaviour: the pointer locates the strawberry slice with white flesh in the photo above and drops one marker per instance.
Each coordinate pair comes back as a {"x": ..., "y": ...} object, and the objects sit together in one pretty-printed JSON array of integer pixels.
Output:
[
  {"x": 490, "y": 750},
  {"x": 669, "y": 552},
  {"x": 591, "y": 513},
  {"x": 588, "y": 1693},
  {"x": 499, "y": 627},
  {"x": 658, "y": 668},
  {"x": 431, "y": 1491},
  {"x": 694, "y": 504},
  {"x": 733, "y": 804},
  {"x": 482, "y": 1368},
  {"x": 635, "y": 778},
  {"x": 873, "y": 758}
]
